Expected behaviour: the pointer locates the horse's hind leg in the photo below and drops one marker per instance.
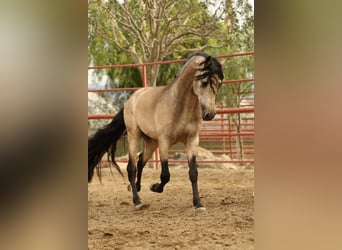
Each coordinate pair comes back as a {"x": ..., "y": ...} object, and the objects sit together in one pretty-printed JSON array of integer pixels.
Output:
[
  {"x": 132, "y": 169},
  {"x": 165, "y": 174},
  {"x": 150, "y": 147}
]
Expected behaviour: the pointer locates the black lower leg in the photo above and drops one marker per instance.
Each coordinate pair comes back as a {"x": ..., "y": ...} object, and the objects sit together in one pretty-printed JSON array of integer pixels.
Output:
[
  {"x": 164, "y": 178},
  {"x": 193, "y": 174},
  {"x": 131, "y": 171},
  {"x": 141, "y": 165}
]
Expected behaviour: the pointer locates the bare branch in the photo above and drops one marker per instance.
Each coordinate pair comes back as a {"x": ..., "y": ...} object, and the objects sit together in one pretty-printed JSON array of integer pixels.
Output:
[
  {"x": 138, "y": 31},
  {"x": 193, "y": 49}
]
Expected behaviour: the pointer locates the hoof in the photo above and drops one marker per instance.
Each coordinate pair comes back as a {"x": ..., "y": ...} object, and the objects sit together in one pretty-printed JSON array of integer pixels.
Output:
[
  {"x": 201, "y": 210},
  {"x": 141, "y": 207},
  {"x": 156, "y": 188}
]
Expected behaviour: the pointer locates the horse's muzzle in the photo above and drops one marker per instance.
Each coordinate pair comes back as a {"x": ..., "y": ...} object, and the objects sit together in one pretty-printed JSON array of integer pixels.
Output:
[{"x": 208, "y": 116}]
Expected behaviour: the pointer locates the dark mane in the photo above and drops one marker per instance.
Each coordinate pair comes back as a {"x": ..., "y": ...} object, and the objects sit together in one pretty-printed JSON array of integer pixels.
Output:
[{"x": 212, "y": 66}]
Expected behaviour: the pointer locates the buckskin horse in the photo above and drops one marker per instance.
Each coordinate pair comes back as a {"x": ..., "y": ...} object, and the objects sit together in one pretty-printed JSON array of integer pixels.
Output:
[{"x": 162, "y": 116}]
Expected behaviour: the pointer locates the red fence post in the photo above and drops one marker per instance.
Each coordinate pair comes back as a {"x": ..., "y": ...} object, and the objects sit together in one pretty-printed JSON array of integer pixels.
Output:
[
  {"x": 222, "y": 130},
  {"x": 230, "y": 137},
  {"x": 144, "y": 76}
]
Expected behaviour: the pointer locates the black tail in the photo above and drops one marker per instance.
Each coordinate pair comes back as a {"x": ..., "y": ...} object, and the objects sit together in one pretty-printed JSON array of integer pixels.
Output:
[{"x": 104, "y": 140}]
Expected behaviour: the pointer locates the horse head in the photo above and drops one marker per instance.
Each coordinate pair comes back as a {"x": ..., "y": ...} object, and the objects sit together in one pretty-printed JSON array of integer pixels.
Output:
[{"x": 207, "y": 82}]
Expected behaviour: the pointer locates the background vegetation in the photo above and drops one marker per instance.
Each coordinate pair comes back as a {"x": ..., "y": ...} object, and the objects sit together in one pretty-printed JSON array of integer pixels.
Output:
[{"x": 139, "y": 31}]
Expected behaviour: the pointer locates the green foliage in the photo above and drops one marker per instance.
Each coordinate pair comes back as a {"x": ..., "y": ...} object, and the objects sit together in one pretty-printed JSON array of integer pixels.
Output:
[
  {"x": 237, "y": 36},
  {"x": 168, "y": 72},
  {"x": 133, "y": 31}
]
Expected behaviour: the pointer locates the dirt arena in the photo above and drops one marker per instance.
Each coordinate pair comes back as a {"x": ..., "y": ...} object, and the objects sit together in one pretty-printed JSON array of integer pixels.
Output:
[{"x": 171, "y": 222}]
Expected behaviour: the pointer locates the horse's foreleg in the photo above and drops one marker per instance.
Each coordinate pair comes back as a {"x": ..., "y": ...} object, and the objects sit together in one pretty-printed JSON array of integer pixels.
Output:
[
  {"x": 150, "y": 147},
  {"x": 192, "y": 145},
  {"x": 165, "y": 173},
  {"x": 164, "y": 178},
  {"x": 193, "y": 174}
]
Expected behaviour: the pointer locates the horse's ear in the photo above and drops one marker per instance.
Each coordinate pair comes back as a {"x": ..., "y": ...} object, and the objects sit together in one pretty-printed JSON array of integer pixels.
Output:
[{"x": 208, "y": 60}]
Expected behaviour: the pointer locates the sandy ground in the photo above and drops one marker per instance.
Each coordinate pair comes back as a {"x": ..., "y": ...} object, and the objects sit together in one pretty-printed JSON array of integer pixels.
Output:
[{"x": 171, "y": 222}]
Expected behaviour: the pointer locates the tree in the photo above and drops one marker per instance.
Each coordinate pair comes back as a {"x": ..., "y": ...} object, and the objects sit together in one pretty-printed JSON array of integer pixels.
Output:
[
  {"x": 139, "y": 31},
  {"x": 149, "y": 30},
  {"x": 239, "y": 36}
]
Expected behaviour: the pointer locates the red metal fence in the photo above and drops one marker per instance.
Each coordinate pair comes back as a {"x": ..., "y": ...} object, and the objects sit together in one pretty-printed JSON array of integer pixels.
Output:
[{"x": 229, "y": 136}]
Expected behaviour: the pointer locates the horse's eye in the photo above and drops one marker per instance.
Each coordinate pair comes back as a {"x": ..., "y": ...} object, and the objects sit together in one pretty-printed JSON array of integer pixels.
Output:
[{"x": 205, "y": 84}]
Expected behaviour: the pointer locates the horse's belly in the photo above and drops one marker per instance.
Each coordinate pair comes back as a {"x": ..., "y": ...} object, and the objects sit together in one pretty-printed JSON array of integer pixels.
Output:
[
  {"x": 145, "y": 108},
  {"x": 148, "y": 130}
]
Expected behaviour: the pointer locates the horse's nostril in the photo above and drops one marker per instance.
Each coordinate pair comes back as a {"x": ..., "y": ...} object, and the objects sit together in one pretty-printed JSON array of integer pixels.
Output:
[{"x": 209, "y": 116}]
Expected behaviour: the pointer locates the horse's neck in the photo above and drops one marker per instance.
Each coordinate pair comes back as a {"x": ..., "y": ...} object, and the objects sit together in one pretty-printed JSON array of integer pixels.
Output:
[
  {"x": 184, "y": 97},
  {"x": 183, "y": 81}
]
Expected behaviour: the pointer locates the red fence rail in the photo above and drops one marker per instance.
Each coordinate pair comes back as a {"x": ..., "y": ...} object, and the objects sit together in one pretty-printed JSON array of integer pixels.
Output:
[{"x": 221, "y": 132}]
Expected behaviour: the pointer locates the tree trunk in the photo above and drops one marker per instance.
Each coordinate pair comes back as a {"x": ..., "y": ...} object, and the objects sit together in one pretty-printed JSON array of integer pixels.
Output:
[{"x": 152, "y": 74}]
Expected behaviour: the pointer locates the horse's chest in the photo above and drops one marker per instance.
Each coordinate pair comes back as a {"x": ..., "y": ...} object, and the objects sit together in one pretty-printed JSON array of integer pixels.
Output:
[{"x": 184, "y": 131}]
